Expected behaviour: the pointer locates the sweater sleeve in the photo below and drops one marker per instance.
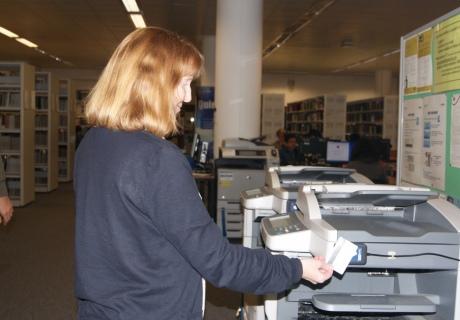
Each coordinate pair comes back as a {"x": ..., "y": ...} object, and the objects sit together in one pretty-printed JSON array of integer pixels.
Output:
[{"x": 179, "y": 213}]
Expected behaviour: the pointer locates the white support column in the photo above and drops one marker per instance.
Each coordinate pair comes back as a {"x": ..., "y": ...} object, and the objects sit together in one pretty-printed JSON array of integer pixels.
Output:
[
  {"x": 208, "y": 48},
  {"x": 238, "y": 70}
]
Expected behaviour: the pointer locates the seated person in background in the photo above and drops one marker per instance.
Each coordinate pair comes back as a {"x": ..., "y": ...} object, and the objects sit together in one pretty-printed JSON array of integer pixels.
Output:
[
  {"x": 289, "y": 153},
  {"x": 314, "y": 133},
  {"x": 365, "y": 159},
  {"x": 280, "y": 134},
  {"x": 355, "y": 137}
]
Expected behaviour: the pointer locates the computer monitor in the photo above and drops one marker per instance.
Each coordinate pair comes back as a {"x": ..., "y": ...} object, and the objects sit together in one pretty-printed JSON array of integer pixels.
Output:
[
  {"x": 195, "y": 145},
  {"x": 203, "y": 155},
  {"x": 199, "y": 150},
  {"x": 313, "y": 147},
  {"x": 338, "y": 151}
]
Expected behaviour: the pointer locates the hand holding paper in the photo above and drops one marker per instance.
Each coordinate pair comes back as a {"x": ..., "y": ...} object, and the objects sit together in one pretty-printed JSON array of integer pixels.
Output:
[{"x": 343, "y": 252}]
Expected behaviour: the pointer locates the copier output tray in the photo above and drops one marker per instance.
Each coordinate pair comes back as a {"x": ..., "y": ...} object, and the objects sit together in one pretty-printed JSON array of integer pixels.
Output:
[{"x": 374, "y": 303}]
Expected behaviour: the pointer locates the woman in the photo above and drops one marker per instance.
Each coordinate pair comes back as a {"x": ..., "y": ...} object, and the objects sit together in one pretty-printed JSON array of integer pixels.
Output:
[
  {"x": 144, "y": 239},
  {"x": 280, "y": 134}
]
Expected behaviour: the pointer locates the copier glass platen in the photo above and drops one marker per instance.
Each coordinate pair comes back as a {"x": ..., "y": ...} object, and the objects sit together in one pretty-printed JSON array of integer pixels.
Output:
[
  {"x": 409, "y": 236},
  {"x": 280, "y": 193}
]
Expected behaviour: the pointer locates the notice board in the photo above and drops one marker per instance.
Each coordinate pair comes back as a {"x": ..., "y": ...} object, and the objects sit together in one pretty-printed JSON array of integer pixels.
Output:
[{"x": 429, "y": 107}]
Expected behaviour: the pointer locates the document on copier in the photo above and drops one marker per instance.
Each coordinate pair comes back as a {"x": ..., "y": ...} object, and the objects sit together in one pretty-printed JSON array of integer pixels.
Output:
[{"x": 343, "y": 252}]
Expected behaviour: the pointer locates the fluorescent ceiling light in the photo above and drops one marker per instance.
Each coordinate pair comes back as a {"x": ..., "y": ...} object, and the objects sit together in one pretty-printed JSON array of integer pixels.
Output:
[
  {"x": 26, "y": 42},
  {"x": 297, "y": 25},
  {"x": 138, "y": 20},
  {"x": 131, "y": 5},
  {"x": 8, "y": 33}
]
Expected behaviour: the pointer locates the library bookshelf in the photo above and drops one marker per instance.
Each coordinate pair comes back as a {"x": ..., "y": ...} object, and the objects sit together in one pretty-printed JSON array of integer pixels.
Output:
[
  {"x": 17, "y": 130},
  {"x": 66, "y": 129},
  {"x": 324, "y": 113},
  {"x": 46, "y": 132}
]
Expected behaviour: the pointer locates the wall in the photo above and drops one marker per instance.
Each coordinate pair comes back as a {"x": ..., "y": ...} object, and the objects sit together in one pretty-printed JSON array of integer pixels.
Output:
[
  {"x": 84, "y": 79},
  {"x": 310, "y": 86},
  {"x": 305, "y": 86}
]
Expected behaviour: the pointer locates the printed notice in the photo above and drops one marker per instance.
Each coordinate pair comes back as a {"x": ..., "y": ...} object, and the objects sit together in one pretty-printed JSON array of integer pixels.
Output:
[
  {"x": 424, "y": 64},
  {"x": 412, "y": 140},
  {"x": 455, "y": 132},
  {"x": 447, "y": 55},
  {"x": 410, "y": 65},
  {"x": 434, "y": 145}
]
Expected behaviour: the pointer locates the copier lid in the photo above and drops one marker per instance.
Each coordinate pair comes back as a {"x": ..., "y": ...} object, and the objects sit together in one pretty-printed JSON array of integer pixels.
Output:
[
  {"x": 311, "y": 175},
  {"x": 395, "y": 215},
  {"x": 366, "y": 198}
]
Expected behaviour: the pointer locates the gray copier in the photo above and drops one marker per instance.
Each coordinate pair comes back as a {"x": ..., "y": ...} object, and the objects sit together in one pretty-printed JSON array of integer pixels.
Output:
[
  {"x": 279, "y": 195},
  {"x": 406, "y": 266},
  {"x": 241, "y": 166}
]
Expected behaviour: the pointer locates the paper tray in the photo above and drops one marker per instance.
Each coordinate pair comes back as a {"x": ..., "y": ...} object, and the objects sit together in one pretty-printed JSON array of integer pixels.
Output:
[{"x": 388, "y": 303}]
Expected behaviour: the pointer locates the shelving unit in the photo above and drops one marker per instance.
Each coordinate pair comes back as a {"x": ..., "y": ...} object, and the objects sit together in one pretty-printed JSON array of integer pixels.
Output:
[
  {"x": 66, "y": 129},
  {"x": 271, "y": 115},
  {"x": 46, "y": 132},
  {"x": 17, "y": 130},
  {"x": 325, "y": 113},
  {"x": 377, "y": 118},
  {"x": 80, "y": 109}
]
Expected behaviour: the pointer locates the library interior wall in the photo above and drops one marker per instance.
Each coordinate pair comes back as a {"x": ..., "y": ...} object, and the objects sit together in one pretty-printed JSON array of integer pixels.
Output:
[
  {"x": 310, "y": 86},
  {"x": 84, "y": 79},
  {"x": 304, "y": 86}
]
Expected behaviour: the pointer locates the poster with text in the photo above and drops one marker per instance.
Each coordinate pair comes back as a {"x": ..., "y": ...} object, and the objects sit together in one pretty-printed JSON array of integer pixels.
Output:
[
  {"x": 447, "y": 55},
  {"x": 412, "y": 140},
  {"x": 410, "y": 65},
  {"x": 424, "y": 63},
  {"x": 455, "y": 132},
  {"x": 434, "y": 146}
]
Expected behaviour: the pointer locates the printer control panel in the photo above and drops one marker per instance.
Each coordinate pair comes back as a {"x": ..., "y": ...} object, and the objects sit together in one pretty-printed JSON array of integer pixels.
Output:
[
  {"x": 282, "y": 224},
  {"x": 285, "y": 232}
]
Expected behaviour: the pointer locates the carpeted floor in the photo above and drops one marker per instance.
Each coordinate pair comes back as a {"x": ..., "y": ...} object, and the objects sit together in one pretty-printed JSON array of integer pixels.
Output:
[{"x": 37, "y": 264}]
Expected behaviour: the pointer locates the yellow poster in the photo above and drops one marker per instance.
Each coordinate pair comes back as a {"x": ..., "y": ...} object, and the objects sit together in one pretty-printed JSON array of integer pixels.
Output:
[
  {"x": 410, "y": 66},
  {"x": 424, "y": 64},
  {"x": 447, "y": 55}
]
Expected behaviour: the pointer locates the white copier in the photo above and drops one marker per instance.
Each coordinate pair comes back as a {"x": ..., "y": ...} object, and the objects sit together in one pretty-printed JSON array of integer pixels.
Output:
[
  {"x": 241, "y": 166},
  {"x": 279, "y": 195},
  {"x": 406, "y": 266}
]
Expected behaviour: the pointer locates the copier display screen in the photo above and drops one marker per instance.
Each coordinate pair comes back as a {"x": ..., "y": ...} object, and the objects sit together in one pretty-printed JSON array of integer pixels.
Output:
[
  {"x": 281, "y": 222},
  {"x": 250, "y": 153}
]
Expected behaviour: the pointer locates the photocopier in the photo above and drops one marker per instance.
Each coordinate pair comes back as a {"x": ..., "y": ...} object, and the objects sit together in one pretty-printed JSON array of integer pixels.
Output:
[
  {"x": 279, "y": 195},
  {"x": 406, "y": 265},
  {"x": 241, "y": 165}
]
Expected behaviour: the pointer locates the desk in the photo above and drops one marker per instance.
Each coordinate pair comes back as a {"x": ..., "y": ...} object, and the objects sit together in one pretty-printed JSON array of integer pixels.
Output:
[{"x": 206, "y": 184}]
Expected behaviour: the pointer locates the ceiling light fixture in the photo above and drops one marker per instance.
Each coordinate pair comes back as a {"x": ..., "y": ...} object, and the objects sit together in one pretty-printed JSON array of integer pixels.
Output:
[
  {"x": 134, "y": 13},
  {"x": 346, "y": 44},
  {"x": 366, "y": 61},
  {"x": 26, "y": 42},
  {"x": 30, "y": 44},
  {"x": 8, "y": 33},
  {"x": 131, "y": 5},
  {"x": 295, "y": 27},
  {"x": 138, "y": 20}
]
